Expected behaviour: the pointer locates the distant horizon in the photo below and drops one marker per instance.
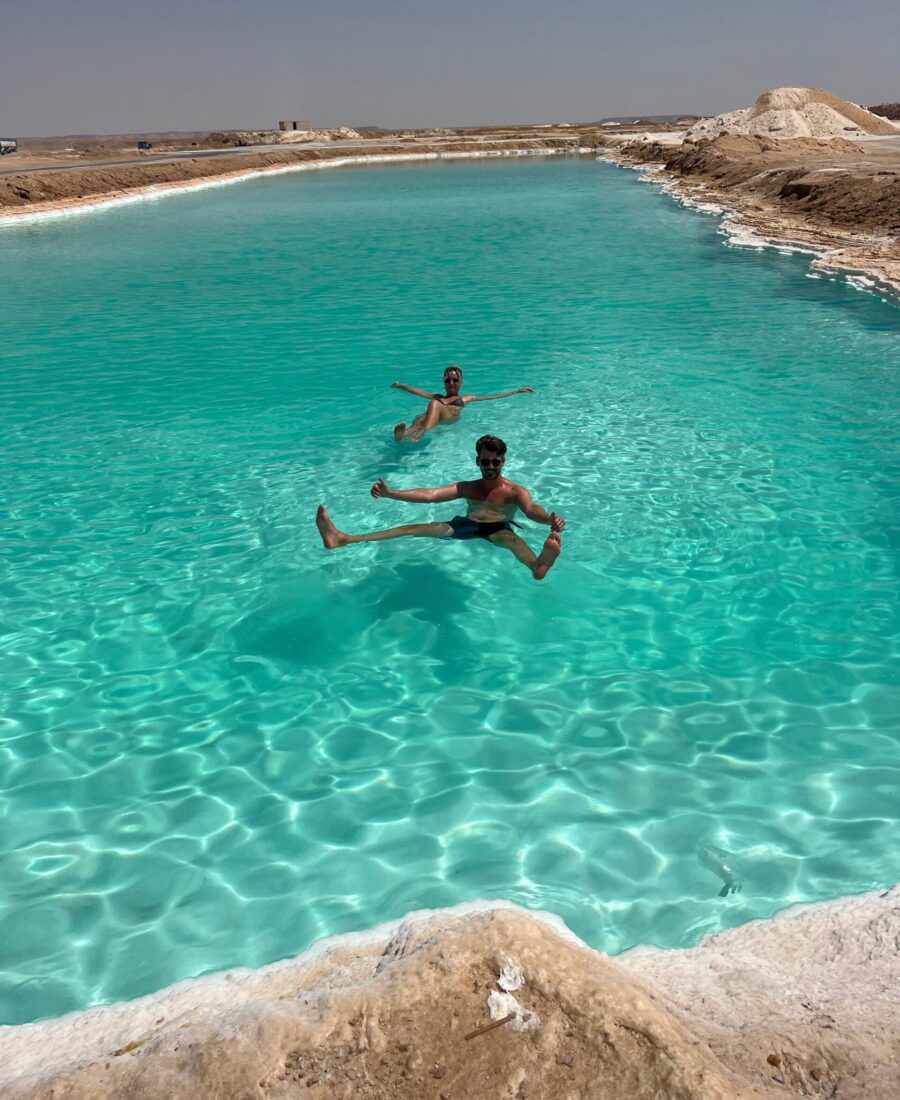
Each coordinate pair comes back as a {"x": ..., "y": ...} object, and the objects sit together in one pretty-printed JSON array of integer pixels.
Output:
[
  {"x": 627, "y": 116},
  {"x": 114, "y": 67},
  {"x": 604, "y": 120}
]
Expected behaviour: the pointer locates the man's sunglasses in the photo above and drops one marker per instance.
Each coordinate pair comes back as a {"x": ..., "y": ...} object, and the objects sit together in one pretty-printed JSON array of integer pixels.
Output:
[{"x": 490, "y": 462}]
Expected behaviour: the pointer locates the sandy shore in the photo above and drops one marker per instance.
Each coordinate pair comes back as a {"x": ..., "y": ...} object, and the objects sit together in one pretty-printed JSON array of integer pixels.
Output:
[
  {"x": 836, "y": 199},
  {"x": 803, "y": 1005},
  {"x": 36, "y": 191}
]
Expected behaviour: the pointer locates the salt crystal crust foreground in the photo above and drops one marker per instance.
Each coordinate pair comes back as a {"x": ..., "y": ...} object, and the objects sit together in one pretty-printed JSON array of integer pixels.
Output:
[{"x": 802, "y": 1005}]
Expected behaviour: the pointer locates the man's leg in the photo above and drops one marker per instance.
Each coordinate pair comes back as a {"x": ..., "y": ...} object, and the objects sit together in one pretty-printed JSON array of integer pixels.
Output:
[
  {"x": 539, "y": 564},
  {"x": 332, "y": 538}
]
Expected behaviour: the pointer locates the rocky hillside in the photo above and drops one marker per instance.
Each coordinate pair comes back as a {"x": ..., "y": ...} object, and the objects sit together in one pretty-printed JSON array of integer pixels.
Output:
[{"x": 887, "y": 110}]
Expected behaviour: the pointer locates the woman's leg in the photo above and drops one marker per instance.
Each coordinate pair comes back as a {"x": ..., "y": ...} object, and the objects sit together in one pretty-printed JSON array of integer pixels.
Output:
[
  {"x": 332, "y": 538},
  {"x": 423, "y": 424},
  {"x": 403, "y": 431}
]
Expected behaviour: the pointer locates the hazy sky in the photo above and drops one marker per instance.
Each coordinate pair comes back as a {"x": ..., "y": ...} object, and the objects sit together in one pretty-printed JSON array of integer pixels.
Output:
[{"x": 118, "y": 66}]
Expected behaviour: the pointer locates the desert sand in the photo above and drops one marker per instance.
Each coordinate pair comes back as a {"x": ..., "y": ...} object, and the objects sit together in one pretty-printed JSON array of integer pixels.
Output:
[{"x": 803, "y": 1005}]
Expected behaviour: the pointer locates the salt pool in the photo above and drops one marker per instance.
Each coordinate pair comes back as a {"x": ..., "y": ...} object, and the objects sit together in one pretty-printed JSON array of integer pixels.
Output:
[{"x": 220, "y": 743}]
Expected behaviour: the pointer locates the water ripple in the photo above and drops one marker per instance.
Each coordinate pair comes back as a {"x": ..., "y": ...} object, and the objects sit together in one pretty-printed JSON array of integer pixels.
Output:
[{"x": 219, "y": 743}]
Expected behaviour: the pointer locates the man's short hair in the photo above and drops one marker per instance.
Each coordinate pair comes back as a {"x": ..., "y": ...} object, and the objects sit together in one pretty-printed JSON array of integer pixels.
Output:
[{"x": 490, "y": 443}]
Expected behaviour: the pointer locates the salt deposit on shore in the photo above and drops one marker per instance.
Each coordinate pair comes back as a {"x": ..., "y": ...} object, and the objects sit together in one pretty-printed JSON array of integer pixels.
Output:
[
  {"x": 794, "y": 113},
  {"x": 835, "y": 198},
  {"x": 804, "y": 1004},
  {"x": 340, "y": 133}
]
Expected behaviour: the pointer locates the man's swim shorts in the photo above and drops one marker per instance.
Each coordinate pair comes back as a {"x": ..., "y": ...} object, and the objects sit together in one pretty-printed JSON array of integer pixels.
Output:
[{"x": 466, "y": 528}]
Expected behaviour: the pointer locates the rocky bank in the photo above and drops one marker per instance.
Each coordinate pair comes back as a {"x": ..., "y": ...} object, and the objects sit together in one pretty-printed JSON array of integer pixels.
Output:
[
  {"x": 840, "y": 198},
  {"x": 803, "y": 1005}
]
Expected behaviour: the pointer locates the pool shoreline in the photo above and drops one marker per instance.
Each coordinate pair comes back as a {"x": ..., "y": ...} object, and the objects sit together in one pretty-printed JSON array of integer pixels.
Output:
[
  {"x": 866, "y": 261},
  {"x": 39, "y": 212},
  {"x": 808, "y": 971},
  {"x": 853, "y": 260}
]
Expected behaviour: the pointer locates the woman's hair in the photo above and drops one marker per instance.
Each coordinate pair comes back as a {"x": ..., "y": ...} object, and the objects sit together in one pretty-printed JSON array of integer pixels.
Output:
[
  {"x": 454, "y": 367},
  {"x": 490, "y": 443}
]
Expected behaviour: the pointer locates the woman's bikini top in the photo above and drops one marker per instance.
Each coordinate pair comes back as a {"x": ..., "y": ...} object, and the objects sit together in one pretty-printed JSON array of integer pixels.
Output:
[{"x": 445, "y": 400}]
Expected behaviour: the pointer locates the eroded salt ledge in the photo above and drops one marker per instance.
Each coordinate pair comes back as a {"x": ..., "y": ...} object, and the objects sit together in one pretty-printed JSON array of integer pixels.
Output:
[
  {"x": 826, "y": 263},
  {"x": 803, "y": 1004}
]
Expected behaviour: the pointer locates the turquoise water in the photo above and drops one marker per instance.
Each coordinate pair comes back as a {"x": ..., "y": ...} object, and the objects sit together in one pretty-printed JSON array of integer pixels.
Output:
[{"x": 220, "y": 743}]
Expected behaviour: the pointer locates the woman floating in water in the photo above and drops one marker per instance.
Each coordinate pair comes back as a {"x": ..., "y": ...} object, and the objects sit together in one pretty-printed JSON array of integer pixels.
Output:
[{"x": 443, "y": 408}]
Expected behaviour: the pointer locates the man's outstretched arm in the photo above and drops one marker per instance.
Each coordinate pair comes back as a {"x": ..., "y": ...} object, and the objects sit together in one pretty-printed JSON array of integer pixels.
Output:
[
  {"x": 538, "y": 514},
  {"x": 412, "y": 389},
  {"x": 496, "y": 396},
  {"x": 417, "y": 496}
]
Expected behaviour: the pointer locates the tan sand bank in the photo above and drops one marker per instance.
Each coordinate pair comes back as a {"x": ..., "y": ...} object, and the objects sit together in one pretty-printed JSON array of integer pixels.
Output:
[{"x": 803, "y": 1005}]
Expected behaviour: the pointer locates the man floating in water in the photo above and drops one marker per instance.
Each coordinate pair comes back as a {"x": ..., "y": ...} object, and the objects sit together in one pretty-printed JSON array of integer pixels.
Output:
[
  {"x": 443, "y": 408},
  {"x": 492, "y": 503}
]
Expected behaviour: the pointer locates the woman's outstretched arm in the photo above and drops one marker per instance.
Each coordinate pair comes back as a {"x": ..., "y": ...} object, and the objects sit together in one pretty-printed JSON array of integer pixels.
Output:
[
  {"x": 412, "y": 389},
  {"x": 496, "y": 396}
]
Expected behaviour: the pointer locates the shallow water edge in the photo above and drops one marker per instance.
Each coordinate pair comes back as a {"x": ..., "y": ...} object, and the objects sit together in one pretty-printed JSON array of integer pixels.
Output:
[
  {"x": 841, "y": 263},
  {"x": 762, "y": 231}
]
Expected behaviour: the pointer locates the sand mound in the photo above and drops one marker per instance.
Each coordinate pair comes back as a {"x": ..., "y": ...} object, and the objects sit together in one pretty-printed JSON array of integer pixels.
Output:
[
  {"x": 796, "y": 113},
  {"x": 339, "y": 133}
]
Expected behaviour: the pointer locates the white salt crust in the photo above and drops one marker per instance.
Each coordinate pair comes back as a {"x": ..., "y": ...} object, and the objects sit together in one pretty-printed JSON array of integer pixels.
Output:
[
  {"x": 48, "y": 1047},
  {"x": 825, "y": 264}
]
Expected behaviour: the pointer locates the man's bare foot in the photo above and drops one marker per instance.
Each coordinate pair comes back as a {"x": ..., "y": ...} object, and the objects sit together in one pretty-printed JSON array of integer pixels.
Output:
[
  {"x": 332, "y": 538},
  {"x": 546, "y": 558},
  {"x": 400, "y": 432}
]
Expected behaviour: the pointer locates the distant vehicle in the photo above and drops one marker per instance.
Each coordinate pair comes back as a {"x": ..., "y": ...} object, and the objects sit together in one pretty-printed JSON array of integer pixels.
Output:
[
  {"x": 242, "y": 144},
  {"x": 8, "y": 145},
  {"x": 145, "y": 145}
]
